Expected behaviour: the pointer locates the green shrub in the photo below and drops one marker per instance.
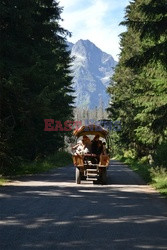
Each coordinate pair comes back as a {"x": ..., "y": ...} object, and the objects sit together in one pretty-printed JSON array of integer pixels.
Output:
[
  {"x": 131, "y": 153},
  {"x": 144, "y": 160},
  {"x": 159, "y": 179},
  {"x": 59, "y": 159},
  {"x": 160, "y": 156},
  {"x": 2, "y": 181}
]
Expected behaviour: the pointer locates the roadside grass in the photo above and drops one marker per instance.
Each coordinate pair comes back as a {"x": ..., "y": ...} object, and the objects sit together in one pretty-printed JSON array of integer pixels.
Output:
[
  {"x": 2, "y": 180},
  {"x": 155, "y": 176},
  {"x": 56, "y": 160},
  {"x": 159, "y": 179}
]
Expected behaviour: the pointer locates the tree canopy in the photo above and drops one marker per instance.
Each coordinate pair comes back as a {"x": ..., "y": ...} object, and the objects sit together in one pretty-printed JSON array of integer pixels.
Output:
[
  {"x": 35, "y": 79},
  {"x": 139, "y": 87}
]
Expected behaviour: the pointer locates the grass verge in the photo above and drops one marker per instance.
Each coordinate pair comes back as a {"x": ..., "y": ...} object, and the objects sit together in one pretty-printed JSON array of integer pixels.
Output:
[
  {"x": 155, "y": 176},
  {"x": 2, "y": 181},
  {"x": 159, "y": 179},
  {"x": 58, "y": 159}
]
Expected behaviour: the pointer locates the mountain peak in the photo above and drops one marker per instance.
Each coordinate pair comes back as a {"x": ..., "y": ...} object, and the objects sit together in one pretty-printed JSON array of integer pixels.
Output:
[
  {"x": 84, "y": 41},
  {"x": 87, "y": 44},
  {"x": 92, "y": 71}
]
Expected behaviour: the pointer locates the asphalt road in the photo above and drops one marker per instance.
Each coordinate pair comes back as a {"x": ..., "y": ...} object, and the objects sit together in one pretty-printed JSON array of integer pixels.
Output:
[{"x": 50, "y": 211}]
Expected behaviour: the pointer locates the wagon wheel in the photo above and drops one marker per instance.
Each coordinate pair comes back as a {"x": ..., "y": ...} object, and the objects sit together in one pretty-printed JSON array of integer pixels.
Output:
[
  {"x": 77, "y": 176},
  {"x": 104, "y": 176}
]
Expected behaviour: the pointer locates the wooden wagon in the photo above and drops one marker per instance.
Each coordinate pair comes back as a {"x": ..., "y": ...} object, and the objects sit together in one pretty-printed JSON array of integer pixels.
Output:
[{"x": 86, "y": 166}]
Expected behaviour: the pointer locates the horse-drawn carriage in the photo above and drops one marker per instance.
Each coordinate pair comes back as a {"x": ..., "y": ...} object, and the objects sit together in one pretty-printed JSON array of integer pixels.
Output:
[{"x": 90, "y": 166}]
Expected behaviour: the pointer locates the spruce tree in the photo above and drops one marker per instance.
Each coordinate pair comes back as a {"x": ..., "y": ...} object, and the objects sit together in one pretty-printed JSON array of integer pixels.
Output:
[
  {"x": 139, "y": 92},
  {"x": 35, "y": 78},
  {"x": 151, "y": 22}
]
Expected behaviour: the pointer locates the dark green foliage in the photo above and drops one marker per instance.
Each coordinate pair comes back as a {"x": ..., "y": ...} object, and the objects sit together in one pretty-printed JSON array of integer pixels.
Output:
[
  {"x": 161, "y": 155},
  {"x": 149, "y": 18},
  {"x": 40, "y": 165},
  {"x": 35, "y": 79},
  {"x": 139, "y": 86}
]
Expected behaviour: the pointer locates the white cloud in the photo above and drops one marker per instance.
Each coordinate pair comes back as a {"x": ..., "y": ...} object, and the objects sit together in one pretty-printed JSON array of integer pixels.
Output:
[{"x": 97, "y": 21}]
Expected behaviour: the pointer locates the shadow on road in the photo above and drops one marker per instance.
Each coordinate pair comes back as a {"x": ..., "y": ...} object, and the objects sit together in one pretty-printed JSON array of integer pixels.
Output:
[
  {"x": 80, "y": 217},
  {"x": 50, "y": 211}
]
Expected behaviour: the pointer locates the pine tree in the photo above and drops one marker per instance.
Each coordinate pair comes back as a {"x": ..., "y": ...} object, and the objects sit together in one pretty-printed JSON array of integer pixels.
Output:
[
  {"x": 35, "y": 79},
  {"x": 138, "y": 94},
  {"x": 152, "y": 25}
]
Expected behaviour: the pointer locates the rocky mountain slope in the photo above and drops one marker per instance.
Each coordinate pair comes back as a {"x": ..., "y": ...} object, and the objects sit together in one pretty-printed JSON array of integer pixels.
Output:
[{"x": 92, "y": 69}]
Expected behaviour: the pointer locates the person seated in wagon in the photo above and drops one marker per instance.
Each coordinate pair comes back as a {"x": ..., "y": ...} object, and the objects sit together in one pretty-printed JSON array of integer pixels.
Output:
[
  {"x": 97, "y": 147},
  {"x": 87, "y": 144},
  {"x": 79, "y": 148}
]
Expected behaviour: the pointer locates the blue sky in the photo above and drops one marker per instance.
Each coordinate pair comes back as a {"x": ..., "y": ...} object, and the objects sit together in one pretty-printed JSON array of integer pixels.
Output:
[{"x": 96, "y": 20}]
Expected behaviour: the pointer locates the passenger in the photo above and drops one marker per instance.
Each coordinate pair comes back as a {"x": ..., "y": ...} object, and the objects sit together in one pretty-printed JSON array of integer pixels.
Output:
[
  {"x": 104, "y": 149},
  {"x": 97, "y": 148},
  {"x": 87, "y": 144},
  {"x": 95, "y": 145},
  {"x": 79, "y": 148}
]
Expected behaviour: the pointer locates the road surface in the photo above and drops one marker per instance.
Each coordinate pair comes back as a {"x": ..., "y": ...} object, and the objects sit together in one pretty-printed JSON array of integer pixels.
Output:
[{"x": 49, "y": 211}]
